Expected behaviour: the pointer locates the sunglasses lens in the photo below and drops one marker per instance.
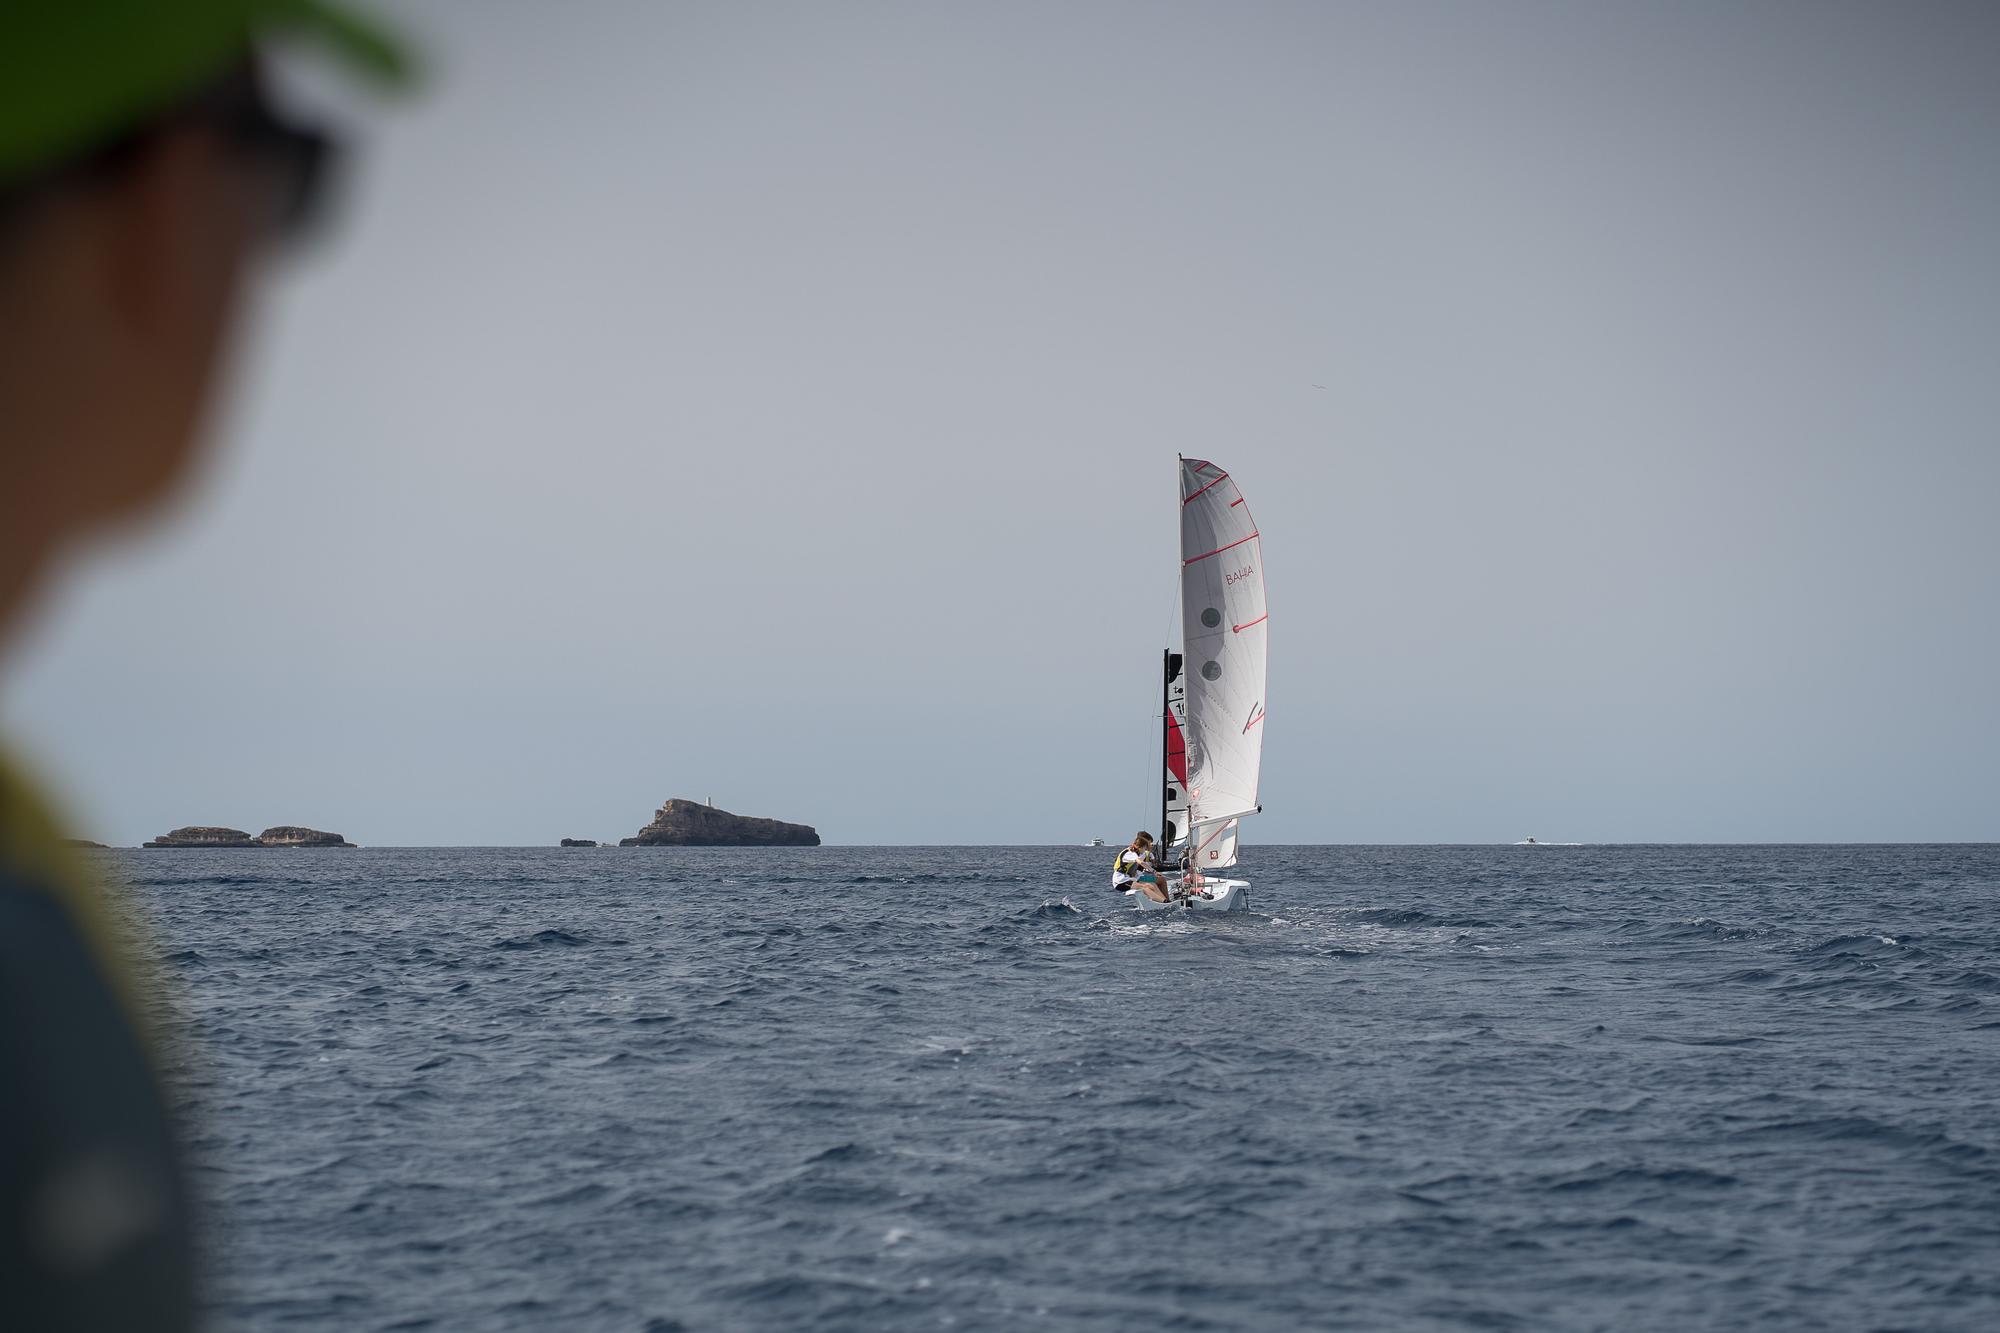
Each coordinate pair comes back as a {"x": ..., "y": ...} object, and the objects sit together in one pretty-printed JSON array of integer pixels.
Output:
[
  {"x": 303, "y": 173},
  {"x": 296, "y": 164}
]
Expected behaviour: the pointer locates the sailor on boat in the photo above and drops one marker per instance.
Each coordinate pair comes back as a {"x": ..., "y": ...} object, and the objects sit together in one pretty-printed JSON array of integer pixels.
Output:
[{"x": 1134, "y": 869}]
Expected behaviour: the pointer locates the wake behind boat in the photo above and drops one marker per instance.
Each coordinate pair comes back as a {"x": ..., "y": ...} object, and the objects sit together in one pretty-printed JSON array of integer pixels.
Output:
[{"x": 1212, "y": 710}]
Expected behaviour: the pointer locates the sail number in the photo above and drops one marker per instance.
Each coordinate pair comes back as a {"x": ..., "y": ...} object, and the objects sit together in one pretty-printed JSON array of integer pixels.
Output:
[{"x": 1237, "y": 576}]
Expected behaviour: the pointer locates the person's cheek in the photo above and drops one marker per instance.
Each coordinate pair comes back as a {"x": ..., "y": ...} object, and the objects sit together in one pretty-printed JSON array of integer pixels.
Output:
[{"x": 203, "y": 254}]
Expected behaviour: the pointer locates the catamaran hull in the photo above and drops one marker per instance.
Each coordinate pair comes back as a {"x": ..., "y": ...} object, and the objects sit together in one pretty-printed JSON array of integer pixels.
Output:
[{"x": 1215, "y": 895}]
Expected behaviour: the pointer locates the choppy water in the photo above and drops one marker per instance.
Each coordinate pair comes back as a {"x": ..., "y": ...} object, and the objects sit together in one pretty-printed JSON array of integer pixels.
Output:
[{"x": 1419, "y": 1088}]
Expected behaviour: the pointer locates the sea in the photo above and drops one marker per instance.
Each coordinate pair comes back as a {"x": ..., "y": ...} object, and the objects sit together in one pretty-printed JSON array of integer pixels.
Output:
[{"x": 1415, "y": 1088}]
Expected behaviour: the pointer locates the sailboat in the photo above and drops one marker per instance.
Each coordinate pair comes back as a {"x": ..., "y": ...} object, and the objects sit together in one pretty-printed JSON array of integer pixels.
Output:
[{"x": 1212, "y": 696}]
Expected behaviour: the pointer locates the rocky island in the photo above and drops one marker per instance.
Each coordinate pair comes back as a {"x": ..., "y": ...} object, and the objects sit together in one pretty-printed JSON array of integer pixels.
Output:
[
  {"x": 579, "y": 842},
  {"x": 203, "y": 835},
  {"x": 283, "y": 835},
  {"x": 291, "y": 835},
  {"x": 684, "y": 823}
]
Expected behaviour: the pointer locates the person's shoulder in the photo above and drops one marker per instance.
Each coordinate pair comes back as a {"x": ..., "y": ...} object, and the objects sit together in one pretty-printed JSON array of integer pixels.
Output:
[
  {"x": 84, "y": 1125},
  {"x": 45, "y": 950},
  {"x": 30, "y": 913}
]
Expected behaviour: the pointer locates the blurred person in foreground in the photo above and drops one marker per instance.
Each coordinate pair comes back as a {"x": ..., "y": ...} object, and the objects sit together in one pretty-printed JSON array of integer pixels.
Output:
[{"x": 142, "y": 173}]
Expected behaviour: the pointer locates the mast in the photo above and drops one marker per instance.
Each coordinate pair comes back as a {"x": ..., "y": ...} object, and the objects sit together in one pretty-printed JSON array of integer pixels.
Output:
[
  {"x": 1163, "y": 773},
  {"x": 1167, "y": 671},
  {"x": 1166, "y": 728}
]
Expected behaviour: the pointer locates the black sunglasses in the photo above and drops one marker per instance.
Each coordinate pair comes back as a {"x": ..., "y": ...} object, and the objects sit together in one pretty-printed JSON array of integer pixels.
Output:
[{"x": 299, "y": 161}]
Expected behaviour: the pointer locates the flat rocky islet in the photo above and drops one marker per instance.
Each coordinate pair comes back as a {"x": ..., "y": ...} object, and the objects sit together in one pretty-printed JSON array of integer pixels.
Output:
[
  {"x": 685, "y": 823},
  {"x": 215, "y": 835}
]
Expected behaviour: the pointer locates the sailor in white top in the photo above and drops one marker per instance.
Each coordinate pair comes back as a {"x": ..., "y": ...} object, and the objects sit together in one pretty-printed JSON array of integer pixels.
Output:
[{"x": 1134, "y": 869}]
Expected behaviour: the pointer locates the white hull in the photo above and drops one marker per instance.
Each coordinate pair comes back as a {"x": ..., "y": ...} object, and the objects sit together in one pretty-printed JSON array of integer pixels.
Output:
[{"x": 1214, "y": 895}]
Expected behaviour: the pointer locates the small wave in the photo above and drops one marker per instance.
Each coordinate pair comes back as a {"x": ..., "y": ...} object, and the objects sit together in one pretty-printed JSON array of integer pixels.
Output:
[
  {"x": 546, "y": 939},
  {"x": 1410, "y": 916},
  {"x": 1136, "y": 922},
  {"x": 1049, "y": 909},
  {"x": 1608, "y": 1115},
  {"x": 222, "y": 881},
  {"x": 587, "y": 1191},
  {"x": 1861, "y": 1129},
  {"x": 1860, "y": 945},
  {"x": 1605, "y": 1176},
  {"x": 1687, "y": 928},
  {"x": 844, "y": 1152},
  {"x": 617, "y": 1058}
]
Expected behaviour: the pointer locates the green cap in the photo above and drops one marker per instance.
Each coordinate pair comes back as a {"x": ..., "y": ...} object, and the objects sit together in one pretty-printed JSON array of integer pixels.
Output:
[{"x": 74, "y": 73}]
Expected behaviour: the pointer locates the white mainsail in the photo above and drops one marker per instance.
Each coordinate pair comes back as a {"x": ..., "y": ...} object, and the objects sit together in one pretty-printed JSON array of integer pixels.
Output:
[{"x": 1223, "y": 634}]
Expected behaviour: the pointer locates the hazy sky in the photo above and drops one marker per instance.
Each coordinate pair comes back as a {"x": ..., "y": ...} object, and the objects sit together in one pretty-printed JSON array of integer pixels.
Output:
[{"x": 778, "y": 403}]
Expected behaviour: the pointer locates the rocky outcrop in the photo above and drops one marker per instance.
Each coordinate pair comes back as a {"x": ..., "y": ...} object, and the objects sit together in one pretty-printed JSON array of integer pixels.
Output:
[
  {"x": 682, "y": 823},
  {"x": 579, "y": 842},
  {"x": 83, "y": 843},
  {"x": 284, "y": 835},
  {"x": 204, "y": 835},
  {"x": 291, "y": 835}
]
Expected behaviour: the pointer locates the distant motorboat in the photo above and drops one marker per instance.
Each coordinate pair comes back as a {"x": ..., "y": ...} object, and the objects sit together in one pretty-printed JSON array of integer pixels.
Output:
[{"x": 1095, "y": 842}]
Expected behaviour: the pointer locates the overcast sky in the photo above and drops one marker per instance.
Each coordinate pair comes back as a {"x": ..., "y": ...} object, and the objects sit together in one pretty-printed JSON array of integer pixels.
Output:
[{"x": 778, "y": 403}]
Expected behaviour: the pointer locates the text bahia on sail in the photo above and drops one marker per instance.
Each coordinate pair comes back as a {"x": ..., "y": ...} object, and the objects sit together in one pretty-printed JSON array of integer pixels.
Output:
[{"x": 1212, "y": 715}]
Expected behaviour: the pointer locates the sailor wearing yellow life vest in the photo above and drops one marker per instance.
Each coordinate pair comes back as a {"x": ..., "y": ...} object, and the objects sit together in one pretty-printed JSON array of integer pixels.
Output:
[{"x": 1134, "y": 869}]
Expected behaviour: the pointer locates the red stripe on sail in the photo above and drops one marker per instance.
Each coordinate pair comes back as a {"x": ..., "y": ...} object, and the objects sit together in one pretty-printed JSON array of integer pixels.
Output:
[
  {"x": 1218, "y": 481},
  {"x": 1238, "y": 629},
  {"x": 1176, "y": 750},
  {"x": 1218, "y": 550}
]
